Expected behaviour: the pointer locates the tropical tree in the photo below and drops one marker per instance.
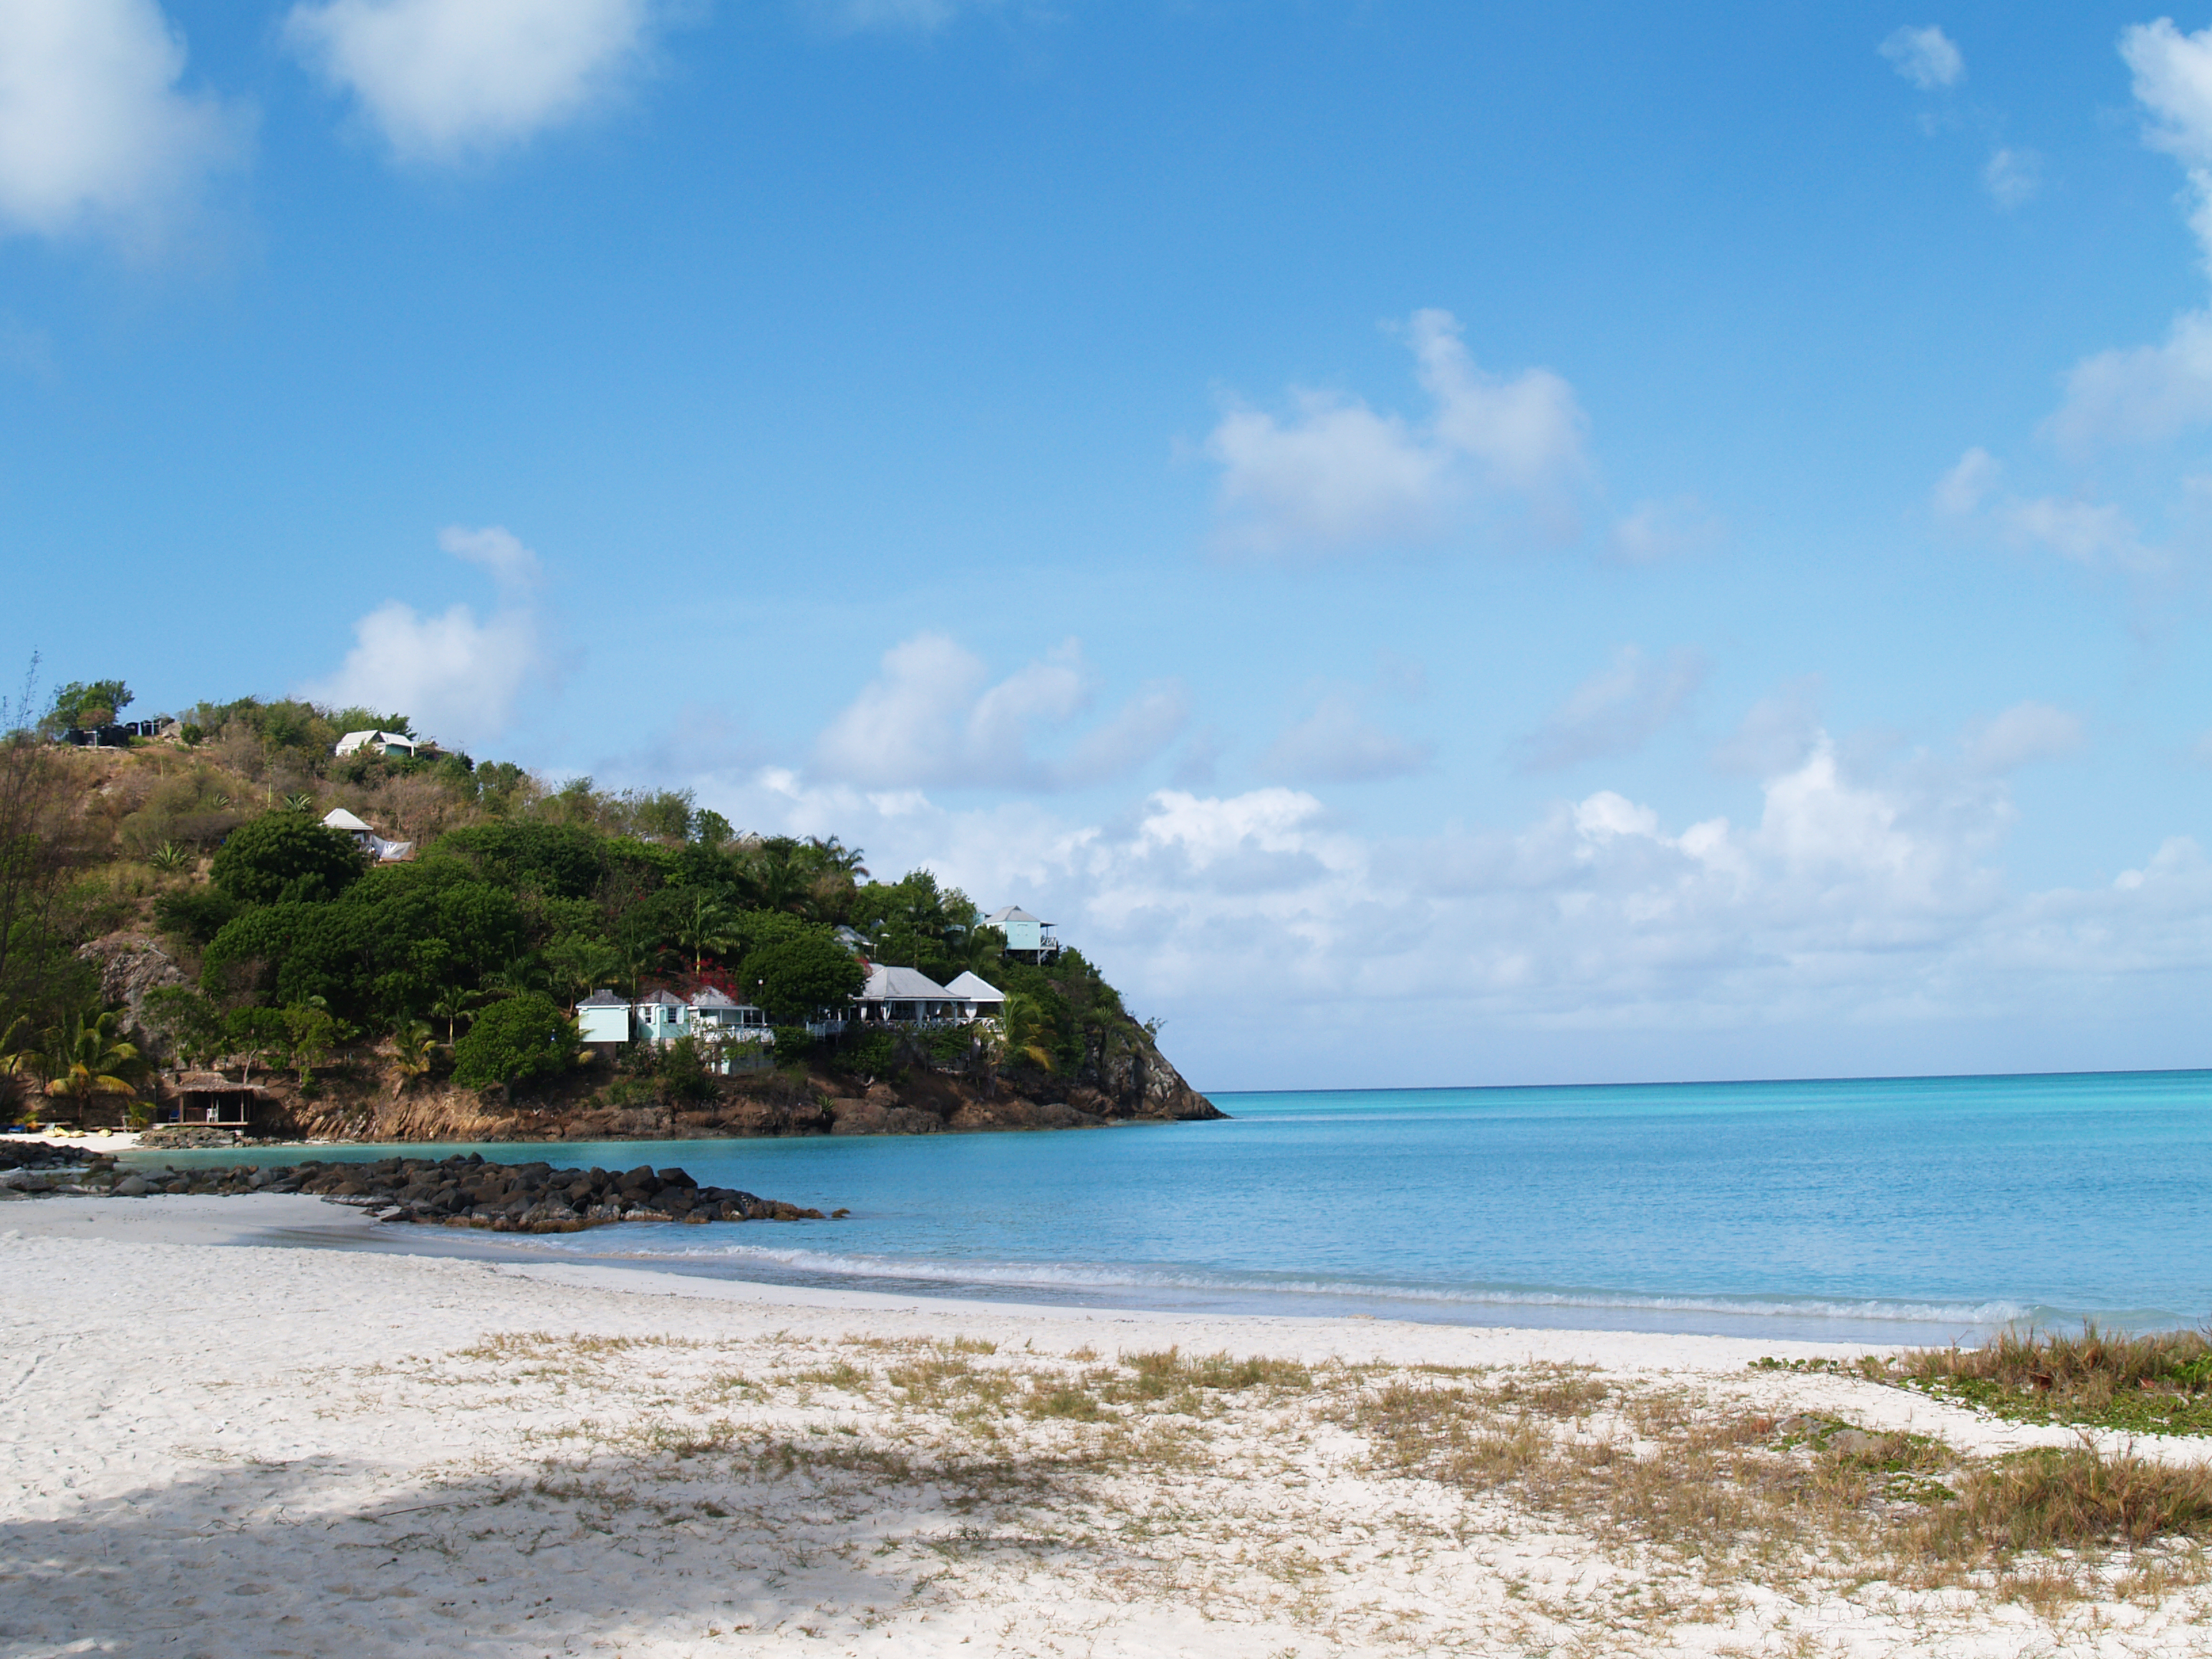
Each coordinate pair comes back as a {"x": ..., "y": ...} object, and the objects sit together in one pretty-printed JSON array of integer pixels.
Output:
[
  {"x": 310, "y": 1033},
  {"x": 1024, "y": 1031},
  {"x": 283, "y": 856},
  {"x": 250, "y": 1033},
  {"x": 705, "y": 925},
  {"x": 413, "y": 1045},
  {"x": 580, "y": 963},
  {"x": 454, "y": 1002},
  {"x": 86, "y": 1060},
  {"x": 184, "y": 1020},
  {"x": 21, "y": 1061},
  {"x": 516, "y": 1040}
]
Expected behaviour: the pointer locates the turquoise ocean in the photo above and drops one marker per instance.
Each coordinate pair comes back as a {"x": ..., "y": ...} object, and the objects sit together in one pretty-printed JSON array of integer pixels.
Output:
[{"x": 1893, "y": 1210}]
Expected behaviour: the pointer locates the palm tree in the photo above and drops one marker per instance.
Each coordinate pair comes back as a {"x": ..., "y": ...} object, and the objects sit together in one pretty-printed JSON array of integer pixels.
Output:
[
  {"x": 20, "y": 1058},
  {"x": 579, "y": 961},
  {"x": 413, "y": 1042},
  {"x": 1022, "y": 1031},
  {"x": 708, "y": 926},
  {"x": 454, "y": 1002},
  {"x": 86, "y": 1060}
]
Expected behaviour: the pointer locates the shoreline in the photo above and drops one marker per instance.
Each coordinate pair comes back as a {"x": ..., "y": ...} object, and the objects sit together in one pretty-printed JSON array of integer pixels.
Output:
[{"x": 210, "y": 1435}]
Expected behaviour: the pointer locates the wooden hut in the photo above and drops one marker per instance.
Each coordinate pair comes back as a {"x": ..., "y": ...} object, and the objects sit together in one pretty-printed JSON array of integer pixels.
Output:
[{"x": 210, "y": 1098}]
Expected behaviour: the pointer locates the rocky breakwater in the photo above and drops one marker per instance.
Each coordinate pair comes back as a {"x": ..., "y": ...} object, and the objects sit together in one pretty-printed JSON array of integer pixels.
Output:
[
  {"x": 31, "y": 1167},
  {"x": 510, "y": 1198}
]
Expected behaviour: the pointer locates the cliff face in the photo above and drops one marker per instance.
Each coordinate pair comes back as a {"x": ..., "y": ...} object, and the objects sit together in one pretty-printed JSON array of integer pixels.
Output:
[{"x": 1135, "y": 1084}]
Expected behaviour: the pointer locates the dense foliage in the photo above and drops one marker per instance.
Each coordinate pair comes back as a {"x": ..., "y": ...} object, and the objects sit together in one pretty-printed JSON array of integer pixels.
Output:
[{"x": 522, "y": 898}]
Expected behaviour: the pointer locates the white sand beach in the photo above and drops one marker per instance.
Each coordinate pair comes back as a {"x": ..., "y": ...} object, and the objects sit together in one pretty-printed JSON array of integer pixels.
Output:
[{"x": 212, "y": 1447}]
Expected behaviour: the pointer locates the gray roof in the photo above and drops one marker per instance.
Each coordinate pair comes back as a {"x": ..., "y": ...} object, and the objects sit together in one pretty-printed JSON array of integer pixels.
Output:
[
  {"x": 711, "y": 997},
  {"x": 603, "y": 998},
  {"x": 969, "y": 987},
  {"x": 662, "y": 999},
  {"x": 1011, "y": 913},
  {"x": 903, "y": 985}
]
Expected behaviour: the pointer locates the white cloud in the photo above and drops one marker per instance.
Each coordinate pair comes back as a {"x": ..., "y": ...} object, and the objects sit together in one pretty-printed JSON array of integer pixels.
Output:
[
  {"x": 1336, "y": 475},
  {"x": 1614, "y": 712},
  {"x": 443, "y": 79},
  {"x": 1656, "y": 530},
  {"x": 931, "y": 719},
  {"x": 1338, "y": 743},
  {"x": 2013, "y": 177},
  {"x": 1925, "y": 56},
  {"x": 455, "y": 677},
  {"x": 96, "y": 131},
  {"x": 2097, "y": 534},
  {"x": 1857, "y": 922},
  {"x": 2026, "y": 731},
  {"x": 2143, "y": 394}
]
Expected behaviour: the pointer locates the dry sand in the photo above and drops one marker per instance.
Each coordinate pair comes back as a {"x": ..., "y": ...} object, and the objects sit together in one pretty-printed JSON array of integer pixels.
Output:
[{"x": 213, "y": 1448}]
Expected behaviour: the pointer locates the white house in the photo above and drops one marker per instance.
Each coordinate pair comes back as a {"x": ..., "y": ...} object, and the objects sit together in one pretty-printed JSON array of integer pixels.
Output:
[
  {"x": 718, "y": 1017},
  {"x": 1026, "y": 936},
  {"x": 903, "y": 993},
  {"x": 979, "y": 999},
  {"x": 384, "y": 852},
  {"x": 384, "y": 742}
]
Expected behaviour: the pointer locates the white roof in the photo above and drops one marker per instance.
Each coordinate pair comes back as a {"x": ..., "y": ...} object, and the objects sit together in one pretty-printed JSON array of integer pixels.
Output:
[
  {"x": 715, "y": 998},
  {"x": 353, "y": 740},
  {"x": 970, "y": 988},
  {"x": 903, "y": 985},
  {"x": 338, "y": 818}
]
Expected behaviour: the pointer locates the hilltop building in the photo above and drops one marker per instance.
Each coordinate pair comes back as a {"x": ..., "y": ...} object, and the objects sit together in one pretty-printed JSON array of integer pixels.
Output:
[
  {"x": 383, "y": 851},
  {"x": 1028, "y": 938}
]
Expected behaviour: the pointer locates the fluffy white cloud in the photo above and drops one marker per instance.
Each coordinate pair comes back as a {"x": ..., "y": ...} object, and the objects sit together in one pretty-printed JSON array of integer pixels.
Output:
[
  {"x": 455, "y": 677},
  {"x": 1336, "y": 475},
  {"x": 2013, "y": 177},
  {"x": 1337, "y": 743},
  {"x": 931, "y": 718},
  {"x": 2024, "y": 733},
  {"x": 1925, "y": 56},
  {"x": 1614, "y": 712},
  {"x": 96, "y": 131},
  {"x": 445, "y": 79},
  {"x": 2097, "y": 534}
]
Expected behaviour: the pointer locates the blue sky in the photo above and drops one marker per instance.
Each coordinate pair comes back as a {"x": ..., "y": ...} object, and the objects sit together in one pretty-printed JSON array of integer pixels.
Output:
[{"x": 1440, "y": 545}]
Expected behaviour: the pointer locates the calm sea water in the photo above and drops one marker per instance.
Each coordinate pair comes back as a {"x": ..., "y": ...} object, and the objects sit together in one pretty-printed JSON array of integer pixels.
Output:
[{"x": 1891, "y": 1210}]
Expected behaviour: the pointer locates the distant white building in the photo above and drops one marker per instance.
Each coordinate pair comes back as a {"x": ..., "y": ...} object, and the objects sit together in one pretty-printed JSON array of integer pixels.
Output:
[
  {"x": 383, "y": 851},
  {"x": 384, "y": 742}
]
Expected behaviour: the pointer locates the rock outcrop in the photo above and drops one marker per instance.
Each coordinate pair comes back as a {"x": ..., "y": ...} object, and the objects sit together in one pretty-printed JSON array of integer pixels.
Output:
[{"x": 469, "y": 1192}]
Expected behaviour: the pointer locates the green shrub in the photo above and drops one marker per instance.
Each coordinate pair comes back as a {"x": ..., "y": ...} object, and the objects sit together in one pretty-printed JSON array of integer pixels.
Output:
[
  {"x": 283, "y": 857},
  {"x": 517, "y": 1041}
]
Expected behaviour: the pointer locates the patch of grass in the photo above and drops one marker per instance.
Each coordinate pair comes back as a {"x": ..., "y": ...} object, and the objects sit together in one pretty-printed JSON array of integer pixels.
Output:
[
  {"x": 2160, "y": 1383},
  {"x": 2071, "y": 1499}
]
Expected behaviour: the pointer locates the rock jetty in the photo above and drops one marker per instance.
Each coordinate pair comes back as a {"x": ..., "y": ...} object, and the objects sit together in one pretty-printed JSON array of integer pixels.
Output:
[
  {"x": 469, "y": 1192},
  {"x": 34, "y": 1166}
]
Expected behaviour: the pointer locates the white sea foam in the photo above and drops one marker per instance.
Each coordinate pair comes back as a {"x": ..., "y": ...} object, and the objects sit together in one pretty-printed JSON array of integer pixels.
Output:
[{"x": 1100, "y": 1277}]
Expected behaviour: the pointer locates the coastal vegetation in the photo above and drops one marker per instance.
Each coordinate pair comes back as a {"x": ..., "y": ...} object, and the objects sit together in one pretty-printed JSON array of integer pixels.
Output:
[
  {"x": 2145, "y": 1382},
  {"x": 179, "y": 900}
]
